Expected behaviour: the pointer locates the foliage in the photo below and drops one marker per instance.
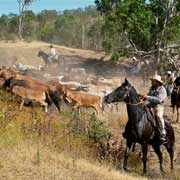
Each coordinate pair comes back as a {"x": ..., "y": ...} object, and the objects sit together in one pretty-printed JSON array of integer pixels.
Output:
[
  {"x": 96, "y": 130},
  {"x": 139, "y": 23}
]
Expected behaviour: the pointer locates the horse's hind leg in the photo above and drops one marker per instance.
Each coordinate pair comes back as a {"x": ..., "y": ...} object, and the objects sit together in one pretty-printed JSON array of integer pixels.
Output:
[
  {"x": 171, "y": 154},
  {"x": 144, "y": 159},
  {"x": 177, "y": 108},
  {"x": 126, "y": 154},
  {"x": 134, "y": 147},
  {"x": 159, "y": 154}
]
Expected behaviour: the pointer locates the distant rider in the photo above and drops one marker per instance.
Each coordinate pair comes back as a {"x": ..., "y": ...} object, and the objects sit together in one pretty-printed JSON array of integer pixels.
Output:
[
  {"x": 169, "y": 82},
  {"x": 52, "y": 54},
  {"x": 156, "y": 98}
]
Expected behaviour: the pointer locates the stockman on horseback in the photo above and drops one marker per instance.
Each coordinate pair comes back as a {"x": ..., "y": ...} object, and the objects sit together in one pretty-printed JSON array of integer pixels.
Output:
[
  {"x": 176, "y": 86},
  {"x": 156, "y": 98},
  {"x": 52, "y": 55},
  {"x": 169, "y": 82}
]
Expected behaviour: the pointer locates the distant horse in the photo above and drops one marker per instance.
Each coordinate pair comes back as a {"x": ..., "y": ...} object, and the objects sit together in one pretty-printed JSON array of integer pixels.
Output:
[
  {"x": 175, "y": 98},
  {"x": 141, "y": 127},
  {"x": 45, "y": 57}
]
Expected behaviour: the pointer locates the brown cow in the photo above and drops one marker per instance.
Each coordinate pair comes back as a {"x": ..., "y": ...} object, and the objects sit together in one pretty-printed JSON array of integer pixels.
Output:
[
  {"x": 2, "y": 82},
  {"x": 35, "y": 83},
  {"x": 60, "y": 87},
  {"x": 30, "y": 95},
  {"x": 81, "y": 99},
  {"x": 52, "y": 94},
  {"x": 6, "y": 74},
  {"x": 12, "y": 79},
  {"x": 11, "y": 73}
]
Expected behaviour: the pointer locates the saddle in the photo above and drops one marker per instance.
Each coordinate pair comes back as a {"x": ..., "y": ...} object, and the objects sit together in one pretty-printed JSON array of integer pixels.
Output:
[{"x": 151, "y": 116}]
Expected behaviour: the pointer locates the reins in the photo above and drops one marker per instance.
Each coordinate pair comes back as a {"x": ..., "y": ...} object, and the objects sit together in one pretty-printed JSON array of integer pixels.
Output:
[{"x": 135, "y": 104}]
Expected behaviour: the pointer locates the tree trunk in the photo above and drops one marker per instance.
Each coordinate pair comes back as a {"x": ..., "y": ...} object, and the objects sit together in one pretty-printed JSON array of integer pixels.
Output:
[
  {"x": 157, "y": 59},
  {"x": 22, "y": 5},
  {"x": 20, "y": 28},
  {"x": 83, "y": 36},
  {"x": 156, "y": 45},
  {"x": 20, "y": 22},
  {"x": 159, "y": 41}
]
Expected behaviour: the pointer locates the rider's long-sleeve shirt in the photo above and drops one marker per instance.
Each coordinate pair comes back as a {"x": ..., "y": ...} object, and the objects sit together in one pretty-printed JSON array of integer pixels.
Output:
[
  {"x": 156, "y": 96},
  {"x": 52, "y": 52}
]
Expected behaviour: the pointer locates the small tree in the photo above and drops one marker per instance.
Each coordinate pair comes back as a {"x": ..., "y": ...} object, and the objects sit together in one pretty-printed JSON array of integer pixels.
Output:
[{"x": 22, "y": 5}]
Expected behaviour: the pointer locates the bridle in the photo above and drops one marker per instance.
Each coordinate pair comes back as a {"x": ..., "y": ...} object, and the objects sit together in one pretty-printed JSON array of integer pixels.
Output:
[{"x": 127, "y": 94}]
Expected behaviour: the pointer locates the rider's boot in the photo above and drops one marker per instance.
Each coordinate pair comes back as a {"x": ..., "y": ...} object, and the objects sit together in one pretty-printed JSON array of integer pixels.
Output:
[{"x": 163, "y": 138}]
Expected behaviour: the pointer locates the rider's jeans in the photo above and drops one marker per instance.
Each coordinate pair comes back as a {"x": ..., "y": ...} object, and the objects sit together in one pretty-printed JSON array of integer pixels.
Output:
[
  {"x": 159, "y": 111},
  {"x": 51, "y": 59}
]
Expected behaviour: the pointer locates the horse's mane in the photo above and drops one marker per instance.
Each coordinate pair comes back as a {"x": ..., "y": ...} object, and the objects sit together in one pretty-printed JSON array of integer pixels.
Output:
[{"x": 135, "y": 93}]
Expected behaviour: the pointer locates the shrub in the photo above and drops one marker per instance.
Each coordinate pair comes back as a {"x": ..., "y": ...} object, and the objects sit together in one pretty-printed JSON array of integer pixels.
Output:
[{"x": 96, "y": 131}]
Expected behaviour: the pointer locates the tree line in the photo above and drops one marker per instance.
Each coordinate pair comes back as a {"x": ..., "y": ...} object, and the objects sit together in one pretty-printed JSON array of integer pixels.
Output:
[{"x": 79, "y": 28}]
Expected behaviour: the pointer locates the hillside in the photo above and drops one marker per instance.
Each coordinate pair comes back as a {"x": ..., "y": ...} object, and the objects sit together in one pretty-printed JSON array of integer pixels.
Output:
[
  {"x": 36, "y": 146},
  {"x": 32, "y": 141},
  {"x": 26, "y": 53}
]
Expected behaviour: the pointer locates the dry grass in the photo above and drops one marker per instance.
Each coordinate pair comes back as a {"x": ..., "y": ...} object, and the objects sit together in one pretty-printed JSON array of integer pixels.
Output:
[
  {"x": 40, "y": 147},
  {"x": 29, "y": 161}
]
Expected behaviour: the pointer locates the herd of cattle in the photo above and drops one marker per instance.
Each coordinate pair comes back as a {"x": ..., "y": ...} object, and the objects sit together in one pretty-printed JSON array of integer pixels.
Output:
[{"x": 31, "y": 90}]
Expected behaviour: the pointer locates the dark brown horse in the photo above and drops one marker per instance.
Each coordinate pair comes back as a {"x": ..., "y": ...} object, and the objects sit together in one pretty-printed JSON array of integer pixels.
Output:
[
  {"x": 176, "y": 104},
  {"x": 141, "y": 127},
  {"x": 175, "y": 97},
  {"x": 45, "y": 57}
]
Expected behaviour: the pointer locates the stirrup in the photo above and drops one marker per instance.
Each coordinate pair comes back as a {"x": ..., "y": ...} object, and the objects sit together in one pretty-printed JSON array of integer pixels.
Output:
[{"x": 163, "y": 139}]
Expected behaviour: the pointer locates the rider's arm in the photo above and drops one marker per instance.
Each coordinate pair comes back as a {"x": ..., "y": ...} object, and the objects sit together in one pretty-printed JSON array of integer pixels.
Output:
[
  {"x": 153, "y": 99},
  {"x": 159, "y": 98}
]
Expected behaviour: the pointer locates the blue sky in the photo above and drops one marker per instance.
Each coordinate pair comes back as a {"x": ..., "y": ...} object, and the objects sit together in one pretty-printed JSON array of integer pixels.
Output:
[{"x": 11, "y": 6}]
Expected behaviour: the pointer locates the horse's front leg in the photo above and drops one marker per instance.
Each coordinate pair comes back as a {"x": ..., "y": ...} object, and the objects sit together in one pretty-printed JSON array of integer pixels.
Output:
[
  {"x": 126, "y": 153},
  {"x": 46, "y": 65},
  {"x": 144, "y": 159}
]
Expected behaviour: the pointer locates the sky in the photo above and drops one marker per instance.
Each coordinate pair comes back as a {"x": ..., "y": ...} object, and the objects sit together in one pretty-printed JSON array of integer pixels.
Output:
[{"x": 11, "y": 6}]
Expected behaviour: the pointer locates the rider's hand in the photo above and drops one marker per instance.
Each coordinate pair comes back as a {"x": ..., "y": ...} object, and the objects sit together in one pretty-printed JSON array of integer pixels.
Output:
[{"x": 143, "y": 97}]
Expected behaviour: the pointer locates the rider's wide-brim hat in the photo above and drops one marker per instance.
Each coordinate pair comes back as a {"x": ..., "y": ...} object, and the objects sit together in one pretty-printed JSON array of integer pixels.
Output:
[{"x": 157, "y": 78}]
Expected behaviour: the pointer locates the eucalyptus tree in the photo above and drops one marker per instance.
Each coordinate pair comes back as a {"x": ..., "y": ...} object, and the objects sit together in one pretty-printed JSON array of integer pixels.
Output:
[{"x": 147, "y": 25}]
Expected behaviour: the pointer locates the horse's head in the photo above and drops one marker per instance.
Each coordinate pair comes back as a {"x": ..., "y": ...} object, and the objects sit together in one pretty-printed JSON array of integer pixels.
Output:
[{"x": 120, "y": 94}]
